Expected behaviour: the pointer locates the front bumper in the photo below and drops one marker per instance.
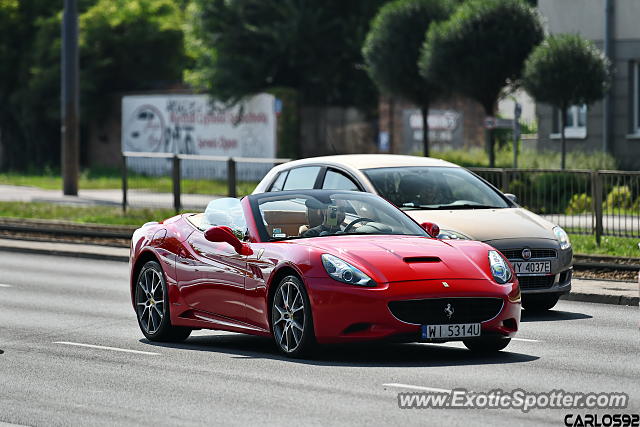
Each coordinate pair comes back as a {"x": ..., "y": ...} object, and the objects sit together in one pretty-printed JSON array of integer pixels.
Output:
[
  {"x": 557, "y": 281},
  {"x": 347, "y": 313}
]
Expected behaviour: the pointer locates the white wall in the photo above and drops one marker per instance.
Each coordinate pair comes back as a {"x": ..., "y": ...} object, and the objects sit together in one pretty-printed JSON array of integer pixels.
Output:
[{"x": 586, "y": 17}]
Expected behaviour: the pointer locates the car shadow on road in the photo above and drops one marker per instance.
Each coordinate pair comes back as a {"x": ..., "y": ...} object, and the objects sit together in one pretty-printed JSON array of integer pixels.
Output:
[
  {"x": 552, "y": 315},
  {"x": 365, "y": 355}
]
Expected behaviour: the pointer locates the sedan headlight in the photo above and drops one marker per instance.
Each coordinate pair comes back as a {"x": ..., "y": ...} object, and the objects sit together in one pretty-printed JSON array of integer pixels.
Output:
[
  {"x": 452, "y": 235},
  {"x": 499, "y": 268},
  {"x": 342, "y": 271},
  {"x": 563, "y": 238}
]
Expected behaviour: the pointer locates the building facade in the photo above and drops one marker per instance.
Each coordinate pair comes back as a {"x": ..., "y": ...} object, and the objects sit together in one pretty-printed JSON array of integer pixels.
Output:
[{"x": 614, "y": 123}]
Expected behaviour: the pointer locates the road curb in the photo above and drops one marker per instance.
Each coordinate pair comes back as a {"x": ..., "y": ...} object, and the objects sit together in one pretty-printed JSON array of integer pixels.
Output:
[
  {"x": 601, "y": 298},
  {"x": 67, "y": 253}
]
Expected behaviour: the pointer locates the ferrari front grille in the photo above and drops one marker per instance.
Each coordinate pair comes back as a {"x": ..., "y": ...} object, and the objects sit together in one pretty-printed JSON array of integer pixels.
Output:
[{"x": 440, "y": 311}]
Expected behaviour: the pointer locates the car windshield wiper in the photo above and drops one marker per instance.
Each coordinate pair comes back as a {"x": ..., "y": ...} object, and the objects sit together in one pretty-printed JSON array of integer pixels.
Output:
[
  {"x": 467, "y": 206},
  {"x": 411, "y": 206}
]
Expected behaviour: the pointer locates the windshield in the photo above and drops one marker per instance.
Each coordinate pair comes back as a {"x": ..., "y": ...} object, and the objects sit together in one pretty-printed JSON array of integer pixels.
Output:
[
  {"x": 318, "y": 213},
  {"x": 434, "y": 188}
]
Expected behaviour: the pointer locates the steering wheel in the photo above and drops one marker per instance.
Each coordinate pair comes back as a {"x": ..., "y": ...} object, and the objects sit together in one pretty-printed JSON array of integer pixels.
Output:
[{"x": 354, "y": 222}]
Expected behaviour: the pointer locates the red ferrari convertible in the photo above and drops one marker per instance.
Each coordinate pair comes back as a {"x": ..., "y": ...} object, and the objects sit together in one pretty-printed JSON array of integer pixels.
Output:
[{"x": 319, "y": 266}]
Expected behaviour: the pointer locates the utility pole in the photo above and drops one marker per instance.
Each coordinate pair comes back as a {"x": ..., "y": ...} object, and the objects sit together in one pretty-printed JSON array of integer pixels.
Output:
[
  {"x": 70, "y": 112},
  {"x": 607, "y": 105}
]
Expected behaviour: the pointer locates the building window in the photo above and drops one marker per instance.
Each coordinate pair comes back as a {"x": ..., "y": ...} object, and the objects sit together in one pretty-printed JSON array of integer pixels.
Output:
[
  {"x": 635, "y": 97},
  {"x": 575, "y": 125}
]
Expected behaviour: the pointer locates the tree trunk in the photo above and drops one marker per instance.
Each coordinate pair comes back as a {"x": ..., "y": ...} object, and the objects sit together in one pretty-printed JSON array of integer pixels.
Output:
[
  {"x": 563, "y": 119},
  {"x": 425, "y": 129},
  {"x": 488, "y": 133}
]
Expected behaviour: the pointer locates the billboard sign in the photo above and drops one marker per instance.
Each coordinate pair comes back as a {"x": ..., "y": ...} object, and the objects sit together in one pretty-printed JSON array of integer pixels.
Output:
[
  {"x": 445, "y": 130},
  {"x": 191, "y": 124}
]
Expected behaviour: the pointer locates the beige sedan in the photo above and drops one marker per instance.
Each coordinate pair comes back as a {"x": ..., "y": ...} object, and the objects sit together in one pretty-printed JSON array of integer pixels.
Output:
[{"x": 462, "y": 204}]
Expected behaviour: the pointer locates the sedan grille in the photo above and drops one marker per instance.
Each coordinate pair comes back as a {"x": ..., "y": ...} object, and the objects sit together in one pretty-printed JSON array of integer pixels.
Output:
[
  {"x": 536, "y": 282},
  {"x": 436, "y": 311},
  {"x": 512, "y": 254}
]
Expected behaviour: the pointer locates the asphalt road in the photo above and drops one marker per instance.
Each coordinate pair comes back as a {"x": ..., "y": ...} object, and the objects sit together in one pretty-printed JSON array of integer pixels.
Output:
[{"x": 49, "y": 304}]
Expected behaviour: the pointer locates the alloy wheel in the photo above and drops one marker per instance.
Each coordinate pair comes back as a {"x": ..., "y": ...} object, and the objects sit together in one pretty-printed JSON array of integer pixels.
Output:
[
  {"x": 150, "y": 300},
  {"x": 289, "y": 316}
]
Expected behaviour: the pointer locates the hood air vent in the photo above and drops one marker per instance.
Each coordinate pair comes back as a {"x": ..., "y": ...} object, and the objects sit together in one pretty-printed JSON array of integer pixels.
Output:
[{"x": 415, "y": 259}]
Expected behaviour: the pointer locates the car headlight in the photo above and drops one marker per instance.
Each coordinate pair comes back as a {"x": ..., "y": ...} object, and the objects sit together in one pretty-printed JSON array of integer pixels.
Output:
[
  {"x": 499, "y": 268},
  {"x": 452, "y": 235},
  {"x": 562, "y": 237},
  {"x": 342, "y": 271}
]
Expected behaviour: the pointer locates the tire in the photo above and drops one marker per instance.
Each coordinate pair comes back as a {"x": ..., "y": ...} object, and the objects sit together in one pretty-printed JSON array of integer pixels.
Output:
[
  {"x": 291, "y": 321},
  {"x": 152, "y": 306},
  {"x": 539, "y": 303},
  {"x": 487, "y": 345}
]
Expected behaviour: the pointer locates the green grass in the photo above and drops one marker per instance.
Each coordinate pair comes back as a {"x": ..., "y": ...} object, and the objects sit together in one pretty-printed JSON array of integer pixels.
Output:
[
  {"x": 616, "y": 246},
  {"x": 83, "y": 214},
  {"x": 112, "y": 180},
  {"x": 527, "y": 158}
]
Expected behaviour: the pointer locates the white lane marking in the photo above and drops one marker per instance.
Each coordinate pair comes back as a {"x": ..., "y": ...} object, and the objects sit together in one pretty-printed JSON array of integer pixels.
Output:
[
  {"x": 524, "y": 340},
  {"x": 101, "y": 347},
  {"x": 417, "y": 387},
  {"x": 2, "y": 285}
]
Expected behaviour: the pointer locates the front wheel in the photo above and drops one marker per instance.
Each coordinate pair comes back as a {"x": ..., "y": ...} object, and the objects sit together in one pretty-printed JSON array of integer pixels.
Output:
[
  {"x": 291, "y": 320},
  {"x": 487, "y": 345},
  {"x": 539, "y": 303},
  {"x": 152, "y": 306}
]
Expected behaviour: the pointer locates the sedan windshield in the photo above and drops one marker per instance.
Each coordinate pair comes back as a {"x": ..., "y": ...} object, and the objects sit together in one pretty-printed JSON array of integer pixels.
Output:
[
  {"x": 434, "y": 188},
  {"x": 318, "y": 213}
]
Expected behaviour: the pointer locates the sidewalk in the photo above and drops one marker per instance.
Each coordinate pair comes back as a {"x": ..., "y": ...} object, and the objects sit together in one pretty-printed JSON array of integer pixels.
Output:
[
  {"x": 113, "y": 197},
  {"x": 598, "y": 291}
]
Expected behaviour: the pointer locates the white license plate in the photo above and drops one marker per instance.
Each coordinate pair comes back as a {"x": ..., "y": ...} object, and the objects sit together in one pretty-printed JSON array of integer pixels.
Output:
[
  {"x": 531, "y": 267},
  {"x": 450, "y": 331}
]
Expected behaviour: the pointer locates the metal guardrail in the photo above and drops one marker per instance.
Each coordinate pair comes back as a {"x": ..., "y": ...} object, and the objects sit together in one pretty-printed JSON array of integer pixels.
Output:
[
  {"x": 177, "y": 176},
  {"x": 600, "y": 202}
]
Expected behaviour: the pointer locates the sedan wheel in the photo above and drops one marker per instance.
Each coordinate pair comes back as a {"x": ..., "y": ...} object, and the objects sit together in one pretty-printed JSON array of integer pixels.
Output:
[
  {"x": 539, "y": 303},
  {"x": 152, "y": 306},
  {"x": 291, "y": 318}
]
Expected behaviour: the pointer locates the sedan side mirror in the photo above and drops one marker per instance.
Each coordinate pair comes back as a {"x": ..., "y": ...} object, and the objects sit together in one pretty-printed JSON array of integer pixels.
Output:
[
  {"x": 224, "y": 234},
  {"x": 431, "y": 228},
  {"x": 512, "y": 197}
]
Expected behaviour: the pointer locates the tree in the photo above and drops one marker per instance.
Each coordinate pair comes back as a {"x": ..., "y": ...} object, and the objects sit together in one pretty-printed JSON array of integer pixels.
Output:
[
  {"x": 481, "y": 49},
  {"x": 566, "y": 70},
  {"x": 130, "y": 45},
  {"x": 392, "y": 48},
  {"x": 19, "y": 21},
  {"x": 125, "y": 45},
  {"x": 309, "y": 46}
]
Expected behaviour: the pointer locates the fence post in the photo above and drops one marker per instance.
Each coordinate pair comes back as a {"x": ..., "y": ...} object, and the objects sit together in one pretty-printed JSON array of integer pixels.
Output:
[
  {"x": 505, "y": 180},
  {"x": 231, "y": 177},
  {"x": 125, "y": 183},
  {"x": 176, "y": 183},
  {"x": 596, "y": 185}
]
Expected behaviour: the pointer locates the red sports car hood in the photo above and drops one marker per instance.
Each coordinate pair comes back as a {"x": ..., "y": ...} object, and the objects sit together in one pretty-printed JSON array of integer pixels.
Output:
[{"x": 402, "y": 258}]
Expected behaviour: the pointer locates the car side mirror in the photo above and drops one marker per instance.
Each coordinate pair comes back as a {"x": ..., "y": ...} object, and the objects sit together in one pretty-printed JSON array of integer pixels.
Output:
[
  {"x": 512, "y": 197},
  {"x": 431, "y": 228},
  {"x": 224, "y": 234}
]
